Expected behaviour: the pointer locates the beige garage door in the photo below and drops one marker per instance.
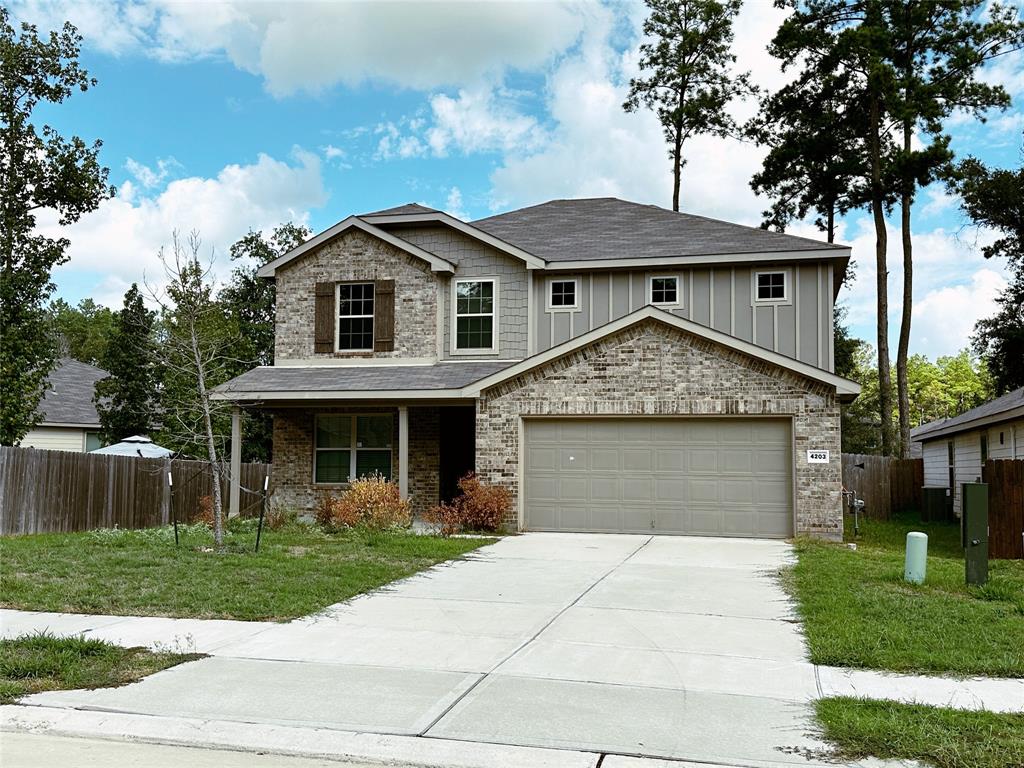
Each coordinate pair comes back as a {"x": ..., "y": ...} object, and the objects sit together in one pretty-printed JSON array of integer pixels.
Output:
[{"x": 699, "y": 476}]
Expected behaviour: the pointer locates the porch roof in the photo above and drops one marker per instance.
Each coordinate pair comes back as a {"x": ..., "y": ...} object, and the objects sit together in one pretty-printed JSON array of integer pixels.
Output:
[{"x": 346, "y": 382}]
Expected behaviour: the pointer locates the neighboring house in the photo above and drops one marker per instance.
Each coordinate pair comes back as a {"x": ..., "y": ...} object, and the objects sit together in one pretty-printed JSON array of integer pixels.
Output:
[
  {"x": 138, "y": 446},
  {"x": 954, "y": 450},
  {"x": 69, "y": 421},
  {"x": 618, "y": 367}
]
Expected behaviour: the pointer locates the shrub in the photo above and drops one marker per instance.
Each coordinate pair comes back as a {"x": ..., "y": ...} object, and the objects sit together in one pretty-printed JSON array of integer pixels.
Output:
[
  {"x": 480, "y": 507},
  {"x": 279, "y": 517},
  {"x": 204, "y": 514},
  {"x": 371, "y": 502}
]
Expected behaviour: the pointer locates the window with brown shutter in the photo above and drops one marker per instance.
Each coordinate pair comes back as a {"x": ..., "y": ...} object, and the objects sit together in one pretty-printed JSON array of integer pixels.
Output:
[
  {"x": 323, "y": 323},
  {"x": 384, "y": 316}
]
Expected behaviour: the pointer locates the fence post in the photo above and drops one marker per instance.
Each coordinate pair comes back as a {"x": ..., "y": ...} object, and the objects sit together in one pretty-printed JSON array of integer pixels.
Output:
[{"x": 263, "y": 510}]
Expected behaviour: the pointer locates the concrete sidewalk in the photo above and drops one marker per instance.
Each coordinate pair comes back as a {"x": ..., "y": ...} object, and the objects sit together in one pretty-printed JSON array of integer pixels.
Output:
[{"x": 625, "y": 646}]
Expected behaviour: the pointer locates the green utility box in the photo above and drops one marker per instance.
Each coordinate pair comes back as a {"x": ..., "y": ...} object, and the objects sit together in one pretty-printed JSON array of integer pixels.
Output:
[{"x": 974, "y": 531}]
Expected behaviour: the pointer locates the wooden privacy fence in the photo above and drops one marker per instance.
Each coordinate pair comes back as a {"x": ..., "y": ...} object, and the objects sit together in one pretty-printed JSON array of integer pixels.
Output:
[
  {"x": 886, "y": 485},
  {"x": 1005, "y": 478},
  {"x": 52, "y": 491}
]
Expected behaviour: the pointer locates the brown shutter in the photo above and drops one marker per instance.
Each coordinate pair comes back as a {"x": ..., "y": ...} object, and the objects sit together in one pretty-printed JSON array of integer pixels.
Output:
[
  {"x": 323, "y": 324},
  {"x": 384, "y": 316}
]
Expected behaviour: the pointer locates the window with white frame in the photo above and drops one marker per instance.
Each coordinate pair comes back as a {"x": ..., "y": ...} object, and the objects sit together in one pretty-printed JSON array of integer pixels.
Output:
[
  {"x": 474, "y": 315},
  {"x": 352, "y": 446},
  {"x": 562, "y": 294},
  {"x": 665, "y": 290},
  {"x": 771, "y": 286},
  {"x": 355, "y": 316}
]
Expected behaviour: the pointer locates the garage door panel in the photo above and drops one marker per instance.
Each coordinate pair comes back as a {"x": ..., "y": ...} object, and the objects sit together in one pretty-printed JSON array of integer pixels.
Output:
[
  {"x": 637, "y": 459},
  {"x": 692, "y": 475}
]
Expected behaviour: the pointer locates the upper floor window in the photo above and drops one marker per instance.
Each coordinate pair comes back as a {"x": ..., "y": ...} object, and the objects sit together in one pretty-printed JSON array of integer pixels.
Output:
[
  {"x": 562, "y": 294},
  {"x": 771, "y": 286},
  {"x": 355, "y": 316},
  {"x": 665, "y": 290},
  {"x": 351, "y": 446},
  {"x": 475, "y": 302}
]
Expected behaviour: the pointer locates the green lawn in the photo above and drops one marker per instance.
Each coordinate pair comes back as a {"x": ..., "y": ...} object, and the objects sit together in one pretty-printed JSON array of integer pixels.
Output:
[
  {"x": 946, "y": 738},
  {"x": 298, "y": 570},
  {"x": 34, "y": 663},
  {"x": 858, "y": 611}
]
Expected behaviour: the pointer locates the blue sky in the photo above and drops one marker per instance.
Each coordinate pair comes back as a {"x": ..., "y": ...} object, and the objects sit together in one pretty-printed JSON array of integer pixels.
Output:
[{"x": 225, "y": 117}]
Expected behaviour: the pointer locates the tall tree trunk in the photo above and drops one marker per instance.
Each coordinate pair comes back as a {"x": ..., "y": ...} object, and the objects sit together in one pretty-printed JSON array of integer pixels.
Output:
[
  {"x": 881, "y": 279},
  {"x": 677, "y": 167},
  {"x": 211, "y": 446},
  {"x": 902, "y": 380}
]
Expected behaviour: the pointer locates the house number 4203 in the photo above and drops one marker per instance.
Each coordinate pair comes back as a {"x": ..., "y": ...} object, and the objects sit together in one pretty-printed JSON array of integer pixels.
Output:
[{"x": 817, "y": 457}]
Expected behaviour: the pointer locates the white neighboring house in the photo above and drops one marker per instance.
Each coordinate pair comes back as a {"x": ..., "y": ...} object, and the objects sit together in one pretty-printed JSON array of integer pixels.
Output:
[
  {"x": 954, "y": 450},
  {"x": 69, "y": 420}
]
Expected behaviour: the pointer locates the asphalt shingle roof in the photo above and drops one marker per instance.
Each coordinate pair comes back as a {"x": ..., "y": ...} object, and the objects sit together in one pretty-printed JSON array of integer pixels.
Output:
[
  {"x": 400, "y": 209},
  {"x": 353, "y": 378},
  {"x": 69, "y": 393},
  {"x": 1011, "y": 401},
  {"x": 609, "y": 228}
]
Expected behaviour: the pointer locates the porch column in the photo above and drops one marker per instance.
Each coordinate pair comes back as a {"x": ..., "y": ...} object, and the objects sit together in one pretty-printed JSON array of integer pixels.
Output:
[
  {"x": 403, "y": 451},
  {"x": 236, "y": 462}
]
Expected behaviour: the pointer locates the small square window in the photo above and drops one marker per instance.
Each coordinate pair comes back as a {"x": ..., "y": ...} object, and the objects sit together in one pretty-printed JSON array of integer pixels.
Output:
[
  {"x": 563, "y": 293},
  {"x": 664, "y": 290},
  {"x": 771, "y": 286}
]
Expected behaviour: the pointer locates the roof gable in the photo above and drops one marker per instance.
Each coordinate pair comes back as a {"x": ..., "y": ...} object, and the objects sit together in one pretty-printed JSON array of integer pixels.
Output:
[
  {"x": 609, "y": 229},
  {"x": 437, "y": 264},
  {"x": 846, "y": 389},
  {"x": 69, "y": 394}
]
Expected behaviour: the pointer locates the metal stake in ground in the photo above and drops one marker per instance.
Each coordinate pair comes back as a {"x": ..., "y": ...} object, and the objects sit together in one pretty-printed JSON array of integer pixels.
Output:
[
  {"x": 174, "y": 515},
  {"x": 263, "y": 509}
]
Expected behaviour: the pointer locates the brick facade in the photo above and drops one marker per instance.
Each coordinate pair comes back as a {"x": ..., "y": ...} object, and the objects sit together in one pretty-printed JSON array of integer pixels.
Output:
[
  {"x": 652, "y": 369},
  {"x": 356, "y": 256},
  {"x": 292, "y": 484}
]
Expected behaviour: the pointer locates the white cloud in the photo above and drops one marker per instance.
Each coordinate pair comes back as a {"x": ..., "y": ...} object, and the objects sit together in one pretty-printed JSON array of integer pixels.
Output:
[
  {"x": 310, "y": 46},
  {"x": 945, "y": 317},
  {"x": 477, "y": 121},
  {"x": 393, "y": 143},
  {"x": 149, "y": 177},
  {"x": 453, "y": 204},
  {"x": 118, "y": 243}
]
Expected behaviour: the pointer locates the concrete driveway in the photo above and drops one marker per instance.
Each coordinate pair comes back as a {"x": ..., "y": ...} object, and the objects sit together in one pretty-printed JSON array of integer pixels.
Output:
[{"x": 667, "y": 647}]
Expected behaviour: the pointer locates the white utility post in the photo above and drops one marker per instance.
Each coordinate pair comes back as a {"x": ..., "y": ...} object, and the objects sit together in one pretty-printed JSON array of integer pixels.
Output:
[
  {"x": 403, "y": 451},
  {"x": 236, "y": 462}
]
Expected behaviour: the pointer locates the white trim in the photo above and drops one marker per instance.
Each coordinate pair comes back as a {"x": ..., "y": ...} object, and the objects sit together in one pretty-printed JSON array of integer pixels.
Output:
[
  {"x": 677, "y": 304},
  {"x": 531, "y": 328},
  {"x": 843, "y": 386},
  {"x": 342, "y": 394},
  {"x": 353, "y": 362},
  {"x": 68, "y": 424},
  {"x": 354, "y": 444},
  {"x": 549, "y": 287},
  {"x": 699, "y": 261},
  {"x": 787, "y": 284},
  {"x": 970, "y": 425},
  {"x": 532, "y": 262},
  {"x": 337, "y": 316},
  {"x": 495, "y": 291},
  {"x": 436, "y": 264}
]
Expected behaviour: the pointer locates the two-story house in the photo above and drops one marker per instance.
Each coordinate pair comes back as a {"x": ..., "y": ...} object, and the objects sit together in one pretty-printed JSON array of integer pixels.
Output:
[{"x": 619, "y": 367}]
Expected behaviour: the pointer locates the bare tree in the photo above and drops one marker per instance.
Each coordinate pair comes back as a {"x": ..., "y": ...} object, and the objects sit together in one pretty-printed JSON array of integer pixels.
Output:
[{"x": 192, "y": 352}]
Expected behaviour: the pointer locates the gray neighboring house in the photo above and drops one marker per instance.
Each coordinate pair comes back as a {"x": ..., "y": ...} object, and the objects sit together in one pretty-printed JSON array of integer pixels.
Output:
[
  {"x": 69, "y": 421},
  {"x": 954, "y": 450},
  {"x": 618, "y": 367}
]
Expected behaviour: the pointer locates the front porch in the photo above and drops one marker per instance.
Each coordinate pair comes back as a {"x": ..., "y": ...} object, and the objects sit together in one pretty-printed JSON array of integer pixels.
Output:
[{"x": 319, "y": 447}]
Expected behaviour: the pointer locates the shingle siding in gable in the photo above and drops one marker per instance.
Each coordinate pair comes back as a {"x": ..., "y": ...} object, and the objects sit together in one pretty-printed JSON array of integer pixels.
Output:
[{"x": 474, "y": 259}]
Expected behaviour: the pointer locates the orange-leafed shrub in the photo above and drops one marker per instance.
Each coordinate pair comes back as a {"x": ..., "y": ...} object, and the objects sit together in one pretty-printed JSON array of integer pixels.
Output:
[
  {"x": 370, "y": 502},
  {"x": 204, "y": 514},
  {"x": 480, "y": 507}
]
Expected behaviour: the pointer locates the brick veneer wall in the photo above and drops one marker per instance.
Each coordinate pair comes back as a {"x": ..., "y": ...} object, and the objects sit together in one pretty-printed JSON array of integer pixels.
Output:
[
  {"x": 356, "y": 256},
  {"x": 653, "y": 369},
  {"x": 292, "y": 484}
]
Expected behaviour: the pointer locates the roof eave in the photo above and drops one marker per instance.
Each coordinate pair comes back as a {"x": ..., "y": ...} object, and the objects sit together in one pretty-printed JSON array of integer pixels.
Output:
[
  {"x": 437, "y": 264},
  {"x": 834, "y": 254},
  {"x": 1016, "y": 412}
]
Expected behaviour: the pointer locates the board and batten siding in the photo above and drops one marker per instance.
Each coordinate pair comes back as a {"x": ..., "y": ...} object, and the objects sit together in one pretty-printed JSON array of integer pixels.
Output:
[
  {"x": 718, "y": 297},
  {"x": 1005, "y": 441}
]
